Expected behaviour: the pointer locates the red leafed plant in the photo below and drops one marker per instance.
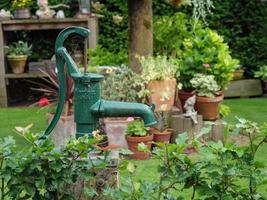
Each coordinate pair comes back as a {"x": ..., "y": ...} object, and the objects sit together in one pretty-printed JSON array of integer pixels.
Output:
[{"x": 50, "y": 87}]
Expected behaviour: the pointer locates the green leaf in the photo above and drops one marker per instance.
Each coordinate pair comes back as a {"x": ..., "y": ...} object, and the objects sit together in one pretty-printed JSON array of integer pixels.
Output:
[
  {"x": 130, "y": 167},
  {"x": 142, "y": 147},
  {"x": 182, "y": 138}
]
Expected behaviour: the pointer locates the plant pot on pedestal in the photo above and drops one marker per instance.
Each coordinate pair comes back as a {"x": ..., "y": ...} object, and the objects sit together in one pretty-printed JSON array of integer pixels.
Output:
[
  {"x": 22, "y": 13},
  {"x": 64, "y": 129},
  {"x": 134, "y": 141},
  {"x": 115, "y": 128},
  {"x": 162, "y": 94},
  {"x": 209, "y": 107},
  {"x": 17, "y": 63}
]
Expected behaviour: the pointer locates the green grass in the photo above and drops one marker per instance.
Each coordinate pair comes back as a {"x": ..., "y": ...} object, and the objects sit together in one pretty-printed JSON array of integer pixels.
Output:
[
  {"x": 12, "y": 117},
  {"x": 253, "y": 109}
]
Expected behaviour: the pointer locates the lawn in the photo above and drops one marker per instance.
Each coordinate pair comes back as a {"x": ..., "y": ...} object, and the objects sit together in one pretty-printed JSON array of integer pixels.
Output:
[{"x": 253, "y": 109}]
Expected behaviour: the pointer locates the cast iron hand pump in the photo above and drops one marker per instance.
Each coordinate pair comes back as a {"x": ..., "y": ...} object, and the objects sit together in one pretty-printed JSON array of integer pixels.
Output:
[{"x": 88, "y": 107}]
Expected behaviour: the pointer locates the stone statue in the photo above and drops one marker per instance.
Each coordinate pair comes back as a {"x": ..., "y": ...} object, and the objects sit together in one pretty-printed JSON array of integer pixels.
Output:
[
  {"x": 5, "y": 14},
  {"x": 45, "y": 11},
  {"x": 189, "y": 109}
]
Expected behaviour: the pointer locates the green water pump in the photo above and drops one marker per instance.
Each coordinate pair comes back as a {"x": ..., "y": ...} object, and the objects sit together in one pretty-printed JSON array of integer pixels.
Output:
[{"x": 88, "y": 106}]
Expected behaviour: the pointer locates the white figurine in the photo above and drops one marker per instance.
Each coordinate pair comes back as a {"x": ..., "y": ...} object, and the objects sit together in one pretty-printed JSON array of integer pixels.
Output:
[{"x": 189, "y": 109}]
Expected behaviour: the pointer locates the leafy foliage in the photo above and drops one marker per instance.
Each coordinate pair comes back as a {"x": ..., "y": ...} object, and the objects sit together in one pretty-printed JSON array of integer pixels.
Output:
[
  {"x": 44, "y": 171},
  {"x": 262, "y": 73},
  {"x": 217, "y": 173},
  {"x": 103, "y": 57},
  {"x": 121, "y": 85},
  {"x": 204, "y": 51},
  {"x": 18, "y": 48},
  {"x": 244, "y": 27},
  {"x": 136, "y": 128},
  {"x": 205, "y": 85}
]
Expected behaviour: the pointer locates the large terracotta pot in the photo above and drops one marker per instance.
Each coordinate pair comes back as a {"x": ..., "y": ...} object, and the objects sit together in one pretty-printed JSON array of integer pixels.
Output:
[
  {"x": 133, "y": 146},
  {"x": 162, "y": 94},
  {"x": 22, "y": 13},
  {"x": 238, "y": 74},
  {"x": 17, "y": 63},
  {"x": 65, "y": 128},
  {"x": 209, "y": 107},
  {"x": 183, "y": 96}
]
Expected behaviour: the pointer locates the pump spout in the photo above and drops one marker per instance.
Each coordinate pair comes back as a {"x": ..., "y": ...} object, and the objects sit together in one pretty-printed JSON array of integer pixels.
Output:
[{"x": 104, "y": 108}]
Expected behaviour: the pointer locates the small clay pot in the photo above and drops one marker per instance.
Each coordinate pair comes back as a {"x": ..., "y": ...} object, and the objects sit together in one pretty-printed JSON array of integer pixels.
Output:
[
  {"x": 209, "y": 107},
  {"x": 22, "y": 13},
  {"x": 183, "y": 96},
  {"x": 17, "y": 63},
  {"x": 163, "y": 137},
  {"x": 133, "y": 146}
]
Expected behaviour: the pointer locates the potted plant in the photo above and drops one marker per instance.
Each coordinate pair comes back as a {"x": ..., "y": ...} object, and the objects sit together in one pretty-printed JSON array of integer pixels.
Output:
[
  {"x": 50, "y": 85},
  {"x": 158, "y": 77},
  {"x": 262, "y": 74},
  {"x": 137, "y": 133},
  {"x": 238, "y": 73},
  {"x": 161, "y": 132},
  {"x": 204, "y": 51},
  {"x": 124, "y": 88},
  {"x": 209, "y": 96},
  {"x": 17, "y": 54},
  {"x": 21, "y": 8}
]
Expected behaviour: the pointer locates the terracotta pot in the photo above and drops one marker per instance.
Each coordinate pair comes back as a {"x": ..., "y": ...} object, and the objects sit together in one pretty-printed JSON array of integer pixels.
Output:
[
  {"x": 133, "y": 146},
  {"x": 22, "y": 13},
  {"x": 238, "y": 74},
  {"x": 162, "y": 137},
  {"x": 17, "y": 63},
  {"x": 183, "y": 96},
  {"x": 209, "y": 107},
  {"x": 162, "y": 94},
  {"x": 65, "y": 128}
]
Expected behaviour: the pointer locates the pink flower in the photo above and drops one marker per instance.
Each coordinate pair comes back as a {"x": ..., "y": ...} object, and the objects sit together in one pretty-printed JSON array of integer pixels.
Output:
[
  {"x": 43, "y": 102},
  {"x": 130, "y": 119},
  {"x": 206, "y": 65}
]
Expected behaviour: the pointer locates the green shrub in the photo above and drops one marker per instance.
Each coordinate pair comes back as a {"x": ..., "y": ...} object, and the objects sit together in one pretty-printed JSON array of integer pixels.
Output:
[
  {"x": 243, "y": 25},
  {"x": 204, "y": 51},
  {"x": 44, "y": 171},
  {"x": 221, "y": 170},
  {"x": 121, "y": 86},
  {"x": 103, "y": 57}
]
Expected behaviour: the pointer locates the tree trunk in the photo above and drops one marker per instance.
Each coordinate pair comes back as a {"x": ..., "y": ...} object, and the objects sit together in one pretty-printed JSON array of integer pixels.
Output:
[{"x": 140, "y": 31}]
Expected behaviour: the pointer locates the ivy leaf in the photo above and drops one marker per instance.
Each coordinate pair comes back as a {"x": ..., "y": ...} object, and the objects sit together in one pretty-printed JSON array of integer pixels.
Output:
[
  {"x": 130, "y": 167},
  {"x": 142, "y": 147},
  {"x": 182, "y": 138}
]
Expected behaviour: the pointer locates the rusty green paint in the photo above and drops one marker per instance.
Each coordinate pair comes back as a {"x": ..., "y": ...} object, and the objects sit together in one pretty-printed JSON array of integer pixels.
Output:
[{"x": 88, "y": 107}]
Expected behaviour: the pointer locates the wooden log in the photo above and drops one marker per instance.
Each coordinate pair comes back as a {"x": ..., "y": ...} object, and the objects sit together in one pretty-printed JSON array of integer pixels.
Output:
[
  {"x": 182, "y": 124},
  {"x": 217, "y": 131},
  {"x": 244, "y": 88}
]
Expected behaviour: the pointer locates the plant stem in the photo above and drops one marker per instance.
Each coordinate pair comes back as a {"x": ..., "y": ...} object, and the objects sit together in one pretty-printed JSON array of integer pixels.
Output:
[{"x": 2, "y": 180}]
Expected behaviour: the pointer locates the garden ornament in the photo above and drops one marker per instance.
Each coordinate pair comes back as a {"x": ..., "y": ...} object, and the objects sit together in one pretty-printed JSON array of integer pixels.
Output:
[
  {"x": 4, "y": 14},
  {"x": 45, "y": 11},
  {"x": 189, "y": 109},
  {"x": 88, "y": 106}
]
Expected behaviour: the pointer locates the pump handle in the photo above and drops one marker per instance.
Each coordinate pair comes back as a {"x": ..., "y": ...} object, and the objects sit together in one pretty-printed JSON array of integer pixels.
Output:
[{"x": 62, "y": 58}]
